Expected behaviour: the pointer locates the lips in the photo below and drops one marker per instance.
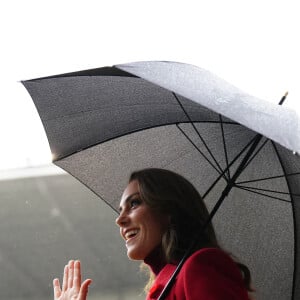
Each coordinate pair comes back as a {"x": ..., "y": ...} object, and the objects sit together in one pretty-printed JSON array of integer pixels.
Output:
[{"x": 130, "y": 233}]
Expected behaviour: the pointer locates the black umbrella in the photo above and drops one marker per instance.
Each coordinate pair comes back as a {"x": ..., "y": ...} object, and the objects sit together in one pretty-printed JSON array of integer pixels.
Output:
[{"x": 104, "y": 123}]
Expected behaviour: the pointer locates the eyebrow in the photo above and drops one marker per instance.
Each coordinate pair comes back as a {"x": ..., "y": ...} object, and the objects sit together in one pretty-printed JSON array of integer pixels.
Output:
[{"x": 128, "y": 199}]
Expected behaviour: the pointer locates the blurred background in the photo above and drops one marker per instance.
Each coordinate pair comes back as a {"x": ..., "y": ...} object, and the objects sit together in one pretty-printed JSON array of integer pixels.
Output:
[
  {"x": 45, "y": 221},
  {"x": 46, "y": 216}
]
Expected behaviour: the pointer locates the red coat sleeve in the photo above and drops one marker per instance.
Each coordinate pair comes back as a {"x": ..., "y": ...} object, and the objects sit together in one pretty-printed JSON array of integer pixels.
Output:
[{"x": 209, "y": 274}]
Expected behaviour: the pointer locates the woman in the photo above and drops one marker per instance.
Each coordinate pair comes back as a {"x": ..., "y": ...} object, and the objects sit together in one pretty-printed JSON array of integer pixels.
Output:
[{"x": 161, "y": 215}]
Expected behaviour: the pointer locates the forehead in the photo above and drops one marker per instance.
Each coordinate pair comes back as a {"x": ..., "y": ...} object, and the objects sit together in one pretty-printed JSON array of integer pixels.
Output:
[{"x": 131, "y": 189}]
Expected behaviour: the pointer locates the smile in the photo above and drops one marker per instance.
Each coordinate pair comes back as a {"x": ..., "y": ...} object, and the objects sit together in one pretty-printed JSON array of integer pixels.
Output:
[{"x": 130, "y": 234}]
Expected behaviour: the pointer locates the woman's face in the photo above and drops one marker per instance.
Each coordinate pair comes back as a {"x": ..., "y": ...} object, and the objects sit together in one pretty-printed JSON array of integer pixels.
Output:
[{"x": 140, "y": 226}]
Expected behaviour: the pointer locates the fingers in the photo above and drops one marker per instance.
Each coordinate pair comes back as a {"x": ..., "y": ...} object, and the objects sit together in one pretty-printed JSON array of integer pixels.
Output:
[
  {"x": 56, "y": 288},
  {"x": 70, "y": 273},
  {"x": 77, "y": 275},
  {"x": 84, "y": 289},
  {"x": 71, "y": 281},
  {"x": 65, "y": 278}
]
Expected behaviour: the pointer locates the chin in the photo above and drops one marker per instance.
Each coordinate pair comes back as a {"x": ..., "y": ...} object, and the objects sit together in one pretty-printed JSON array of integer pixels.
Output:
[
  {"x": 132, "y": 256},
  {"x": 136, "y": 255}
]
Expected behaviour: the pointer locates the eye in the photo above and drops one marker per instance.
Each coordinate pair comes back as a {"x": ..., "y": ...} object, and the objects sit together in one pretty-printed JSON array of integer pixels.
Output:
[{"x": 135, "y": 202}]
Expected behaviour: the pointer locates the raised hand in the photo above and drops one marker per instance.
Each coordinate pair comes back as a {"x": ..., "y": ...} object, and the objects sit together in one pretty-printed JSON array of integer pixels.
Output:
[{"x": 72, "y": 288}]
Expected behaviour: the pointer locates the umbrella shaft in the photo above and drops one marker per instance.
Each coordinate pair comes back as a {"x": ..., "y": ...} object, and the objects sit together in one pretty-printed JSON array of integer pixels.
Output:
[{"x": 233, "y": 179}]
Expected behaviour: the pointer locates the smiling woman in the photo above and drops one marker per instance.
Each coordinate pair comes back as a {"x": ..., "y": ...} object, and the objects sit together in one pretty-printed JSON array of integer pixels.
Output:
[
  {"x": 161, "y": 216},
  {"x": 141, "y": 227}
]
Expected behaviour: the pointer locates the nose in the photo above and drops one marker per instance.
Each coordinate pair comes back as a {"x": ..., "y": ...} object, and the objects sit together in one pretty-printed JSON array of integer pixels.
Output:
[{"x": 122, "y": 219}]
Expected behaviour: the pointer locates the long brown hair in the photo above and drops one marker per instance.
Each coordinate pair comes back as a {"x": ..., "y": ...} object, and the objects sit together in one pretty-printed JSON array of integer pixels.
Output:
[{"x": 174, "y": 196}]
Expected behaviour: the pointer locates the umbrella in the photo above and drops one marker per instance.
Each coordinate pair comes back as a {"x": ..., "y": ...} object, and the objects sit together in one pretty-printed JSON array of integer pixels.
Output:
[{"x": 239, "y": 151}]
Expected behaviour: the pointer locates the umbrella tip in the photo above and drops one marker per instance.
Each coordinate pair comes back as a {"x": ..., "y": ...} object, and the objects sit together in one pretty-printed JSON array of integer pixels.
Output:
[{"x": 283, "y": 98}]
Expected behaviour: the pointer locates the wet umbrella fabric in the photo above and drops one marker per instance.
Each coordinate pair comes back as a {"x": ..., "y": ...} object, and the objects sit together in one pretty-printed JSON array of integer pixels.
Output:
[{"x": 104, "y": 123}]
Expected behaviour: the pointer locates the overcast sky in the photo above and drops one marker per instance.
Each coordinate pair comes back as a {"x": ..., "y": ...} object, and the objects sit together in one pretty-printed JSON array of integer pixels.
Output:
[{"x": 251, "y": 44}]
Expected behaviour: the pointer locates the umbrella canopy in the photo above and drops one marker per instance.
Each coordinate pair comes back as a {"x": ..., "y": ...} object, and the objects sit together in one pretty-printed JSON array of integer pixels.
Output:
[{"x": 104, "y": 123}]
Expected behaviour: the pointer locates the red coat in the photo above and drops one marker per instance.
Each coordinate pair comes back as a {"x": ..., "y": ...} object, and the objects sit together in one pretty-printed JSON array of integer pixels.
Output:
[{"x": 208, "y": 274}]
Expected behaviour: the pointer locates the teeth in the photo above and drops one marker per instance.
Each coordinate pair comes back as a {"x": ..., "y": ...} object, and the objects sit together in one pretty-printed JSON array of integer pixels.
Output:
[{"x": 130, "y": 233}]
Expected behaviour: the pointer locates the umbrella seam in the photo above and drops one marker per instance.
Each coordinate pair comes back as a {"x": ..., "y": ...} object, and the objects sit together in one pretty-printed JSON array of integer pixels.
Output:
[{"x": 88, "y": 73}]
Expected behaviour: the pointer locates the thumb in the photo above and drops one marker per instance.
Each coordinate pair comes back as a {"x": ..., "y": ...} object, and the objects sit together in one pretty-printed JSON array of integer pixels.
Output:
[{"x": 84, "y": 289}]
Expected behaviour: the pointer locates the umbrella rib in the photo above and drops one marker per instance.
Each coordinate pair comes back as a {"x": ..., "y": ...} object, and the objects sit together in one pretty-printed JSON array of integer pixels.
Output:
[
  {"x": 233, "y": 161},
  {"x": 268, "y": 178},
  {"x": 257, "y": 151},
  {"x": 222, "y": 173},
  {"x": 266, "y": 190},
  {"x": 198, "y": 133},
  {"x": 262, "y": 194},
  {"x": 224, "y": 144}
]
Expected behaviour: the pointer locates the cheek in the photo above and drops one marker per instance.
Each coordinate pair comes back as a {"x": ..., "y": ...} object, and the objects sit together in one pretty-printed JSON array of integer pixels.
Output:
[{"x": 159, "y": 227}]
